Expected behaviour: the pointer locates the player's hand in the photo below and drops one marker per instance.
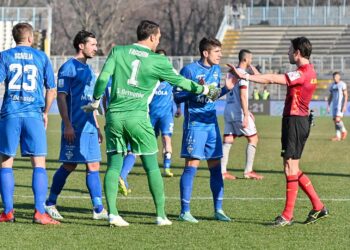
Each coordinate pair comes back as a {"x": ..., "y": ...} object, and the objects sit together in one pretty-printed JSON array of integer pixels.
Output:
[
  {"x": 100, "y": 136},
  {"x": 254, "y": 70},
  {"x": 46, "y": 120},
  {"x": 328, "y": 109},
  {"x": 178, "y": 113},
  {"x": 230, "y": 81},
  {"x": 91, "y": 106},
  {"x": 235, "y": 71},
  {"x": 245, "y": 121},
  {"x": 69, "y": 134},
  {"x": 211, "y": 91},
  {"x": 344, "y": 109}
]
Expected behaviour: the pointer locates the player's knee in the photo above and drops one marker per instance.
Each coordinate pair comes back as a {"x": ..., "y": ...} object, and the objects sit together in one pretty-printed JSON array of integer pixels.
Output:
[
  {"x": 69, "y": 167},
  {"x": 228, "y": 139},
  {"x": 93, "y": 166}
]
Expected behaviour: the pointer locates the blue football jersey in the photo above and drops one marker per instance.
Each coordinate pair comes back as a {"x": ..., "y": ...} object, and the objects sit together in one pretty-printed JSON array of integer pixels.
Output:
[
  {"x": 25, "y": 72},
  {"x": 77, "y": 80},
  {"x": 162, "y": 102},
  {"x": 199, "y": 110}
]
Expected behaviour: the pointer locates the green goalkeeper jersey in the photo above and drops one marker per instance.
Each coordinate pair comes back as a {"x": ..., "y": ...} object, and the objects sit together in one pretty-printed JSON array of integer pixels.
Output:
[{"x": 136, "y": 72}]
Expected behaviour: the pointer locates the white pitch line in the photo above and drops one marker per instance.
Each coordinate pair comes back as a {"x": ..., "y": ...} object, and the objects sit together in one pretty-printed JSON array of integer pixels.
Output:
[{"x": 193, "y": 198}]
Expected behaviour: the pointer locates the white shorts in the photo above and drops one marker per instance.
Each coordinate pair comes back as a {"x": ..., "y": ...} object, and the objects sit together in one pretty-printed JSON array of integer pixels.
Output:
[
  {"x": 337, "y": 112},
  {"x": 235, "y": 128}
]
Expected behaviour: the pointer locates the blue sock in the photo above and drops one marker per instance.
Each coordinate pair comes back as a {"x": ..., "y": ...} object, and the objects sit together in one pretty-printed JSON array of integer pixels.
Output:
[
  {"x": 217, "y": 186},
  {"x": 93, "y": 183},
  {"x": 7, "y": 182},
  {"x": 128, "y": 164},
  {"x": 166, "y": 160},
  {"x": 39, "y": 186},
  {"x": 186, "y": 184},
  {"x": 59, "y": 179}
]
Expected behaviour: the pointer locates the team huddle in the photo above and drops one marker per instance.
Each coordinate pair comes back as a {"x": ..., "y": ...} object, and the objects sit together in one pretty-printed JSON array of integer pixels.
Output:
[{"x": 131, "y": 77}]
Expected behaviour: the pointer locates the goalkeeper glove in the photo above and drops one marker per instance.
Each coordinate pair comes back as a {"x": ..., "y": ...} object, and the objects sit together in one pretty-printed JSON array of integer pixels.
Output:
[
  {"x": 91, "y": 106},
  {"x": 212, "y": 92}
]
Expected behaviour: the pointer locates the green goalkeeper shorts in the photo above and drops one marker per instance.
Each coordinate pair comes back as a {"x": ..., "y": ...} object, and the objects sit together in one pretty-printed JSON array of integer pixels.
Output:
[{"x": 134, "y": 129}]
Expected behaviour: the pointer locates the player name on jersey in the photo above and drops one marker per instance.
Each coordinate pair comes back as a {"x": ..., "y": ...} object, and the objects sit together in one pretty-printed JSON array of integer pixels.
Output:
[
  {"x": 25, "y": 56},
  {"x": 138, "y": 53}
]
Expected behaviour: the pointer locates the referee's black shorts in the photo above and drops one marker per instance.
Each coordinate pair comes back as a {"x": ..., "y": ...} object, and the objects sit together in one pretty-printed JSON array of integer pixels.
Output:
[{"x": 295, "y": 131}]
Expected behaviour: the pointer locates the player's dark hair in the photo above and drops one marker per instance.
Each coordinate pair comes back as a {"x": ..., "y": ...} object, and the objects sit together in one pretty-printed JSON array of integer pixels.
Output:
[
  {"x": 336, "y": 73},
  {"x": 81, "y": 38},
  {"x": 242, "y": 54},
  {"x": 145, "y": 29},
  {"x": 161, "y": 51},
  {"x": 303, "y": 45},
  {"x": 20, "y": 31},
  {"x": 207, "y": 44}
]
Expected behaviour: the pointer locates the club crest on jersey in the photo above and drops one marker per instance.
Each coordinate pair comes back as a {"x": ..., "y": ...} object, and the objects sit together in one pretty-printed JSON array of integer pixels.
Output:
[
  {"x": 69, "y": 154},
  {"x": 294, "y": 75}
]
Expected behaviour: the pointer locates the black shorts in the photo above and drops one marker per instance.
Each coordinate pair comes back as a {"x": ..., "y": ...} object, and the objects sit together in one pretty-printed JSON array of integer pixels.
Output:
[{"x": 295, "y": 131}]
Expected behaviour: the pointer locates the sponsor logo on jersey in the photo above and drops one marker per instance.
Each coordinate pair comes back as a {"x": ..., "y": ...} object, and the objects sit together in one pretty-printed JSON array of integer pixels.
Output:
[
  {"x": 161, "y": 92},
  {"x": 23, "y": 55},
  {"x": 136, "y": 52},
  {"x": 17, "y": 98},
  {"x": 129, "y": 93},
  {"x": 294, "y": 75},
  {"x": 199, "y": 77},
  {"x": 60, "y": 83}
]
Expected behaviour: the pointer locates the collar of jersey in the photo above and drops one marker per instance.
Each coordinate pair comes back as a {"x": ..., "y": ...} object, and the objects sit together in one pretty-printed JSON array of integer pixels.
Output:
[
  {"x": 143, "y": 46},
  {"x": 85, "y": 64},
  {"x": 200, "y": 62}
]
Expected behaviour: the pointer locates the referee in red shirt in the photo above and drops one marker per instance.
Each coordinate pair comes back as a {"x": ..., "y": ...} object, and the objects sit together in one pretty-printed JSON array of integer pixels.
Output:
[{"x": 301, "y": 85}]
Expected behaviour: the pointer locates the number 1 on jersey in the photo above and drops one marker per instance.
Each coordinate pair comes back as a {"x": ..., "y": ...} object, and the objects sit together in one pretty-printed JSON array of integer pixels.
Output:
[{"x": 135, "y": 68}]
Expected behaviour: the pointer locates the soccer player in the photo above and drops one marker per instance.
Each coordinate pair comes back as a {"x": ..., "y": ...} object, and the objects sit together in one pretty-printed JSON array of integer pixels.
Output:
[
  {"x": 338, "y": 97},
  {"x": 81, "y": 136},
  {"x": 24, "y": 118},
  {"x": 239, "y": 121},
  {"x": 301, "y": 85},
  {"x": 129, "y": 158},
  {"x": 136, "y": 71},
  {"x": 162, "y": 119},
  {"x": 201, "y": 135}
]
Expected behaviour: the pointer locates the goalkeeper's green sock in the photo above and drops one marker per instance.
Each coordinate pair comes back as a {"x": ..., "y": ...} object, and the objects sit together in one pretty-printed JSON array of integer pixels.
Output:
[
  {"x": 155, "y": 182},
  {"x": 114, "y": 166}
]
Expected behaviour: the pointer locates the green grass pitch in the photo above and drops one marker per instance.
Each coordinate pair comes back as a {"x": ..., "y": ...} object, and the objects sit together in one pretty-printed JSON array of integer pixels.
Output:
[{"x": 252, "y": 204}]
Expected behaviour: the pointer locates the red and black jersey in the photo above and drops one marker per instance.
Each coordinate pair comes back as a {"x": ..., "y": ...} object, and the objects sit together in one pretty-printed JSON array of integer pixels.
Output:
[{"x": 301, "y": 85}]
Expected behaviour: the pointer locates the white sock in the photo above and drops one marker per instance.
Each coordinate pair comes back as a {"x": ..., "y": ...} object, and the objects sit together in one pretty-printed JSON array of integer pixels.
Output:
[
  {"x": 224, "y": 160},
  {"x": 342, "y": 126},
  {"x": 250, "y": 154}
]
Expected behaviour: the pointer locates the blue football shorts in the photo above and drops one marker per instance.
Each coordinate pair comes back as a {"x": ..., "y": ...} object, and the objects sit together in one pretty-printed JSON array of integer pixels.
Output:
[
  {"x": 29, "y": 132},
  {"x": 203, "y": 143},
  {"x": 84, "y": 149},
  {"x": 164, "y": 124}
]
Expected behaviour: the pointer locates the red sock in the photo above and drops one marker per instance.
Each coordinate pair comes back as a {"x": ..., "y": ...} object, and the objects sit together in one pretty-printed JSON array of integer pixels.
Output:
[
  {"x": 306, "y": 186},
  {"x": 291, "y": 196}
]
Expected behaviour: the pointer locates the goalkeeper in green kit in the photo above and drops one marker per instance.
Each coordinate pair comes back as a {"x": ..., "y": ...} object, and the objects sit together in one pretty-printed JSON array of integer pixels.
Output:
[{"x": 136, "y": 72}]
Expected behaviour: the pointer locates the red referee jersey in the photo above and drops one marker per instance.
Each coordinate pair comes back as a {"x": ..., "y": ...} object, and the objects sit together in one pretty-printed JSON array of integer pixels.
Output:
[{"x": 301, "y": 85}]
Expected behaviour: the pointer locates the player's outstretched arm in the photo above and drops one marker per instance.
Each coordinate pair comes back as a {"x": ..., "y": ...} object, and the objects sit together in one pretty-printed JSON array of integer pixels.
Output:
[{"x": 262, "y": 78}]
